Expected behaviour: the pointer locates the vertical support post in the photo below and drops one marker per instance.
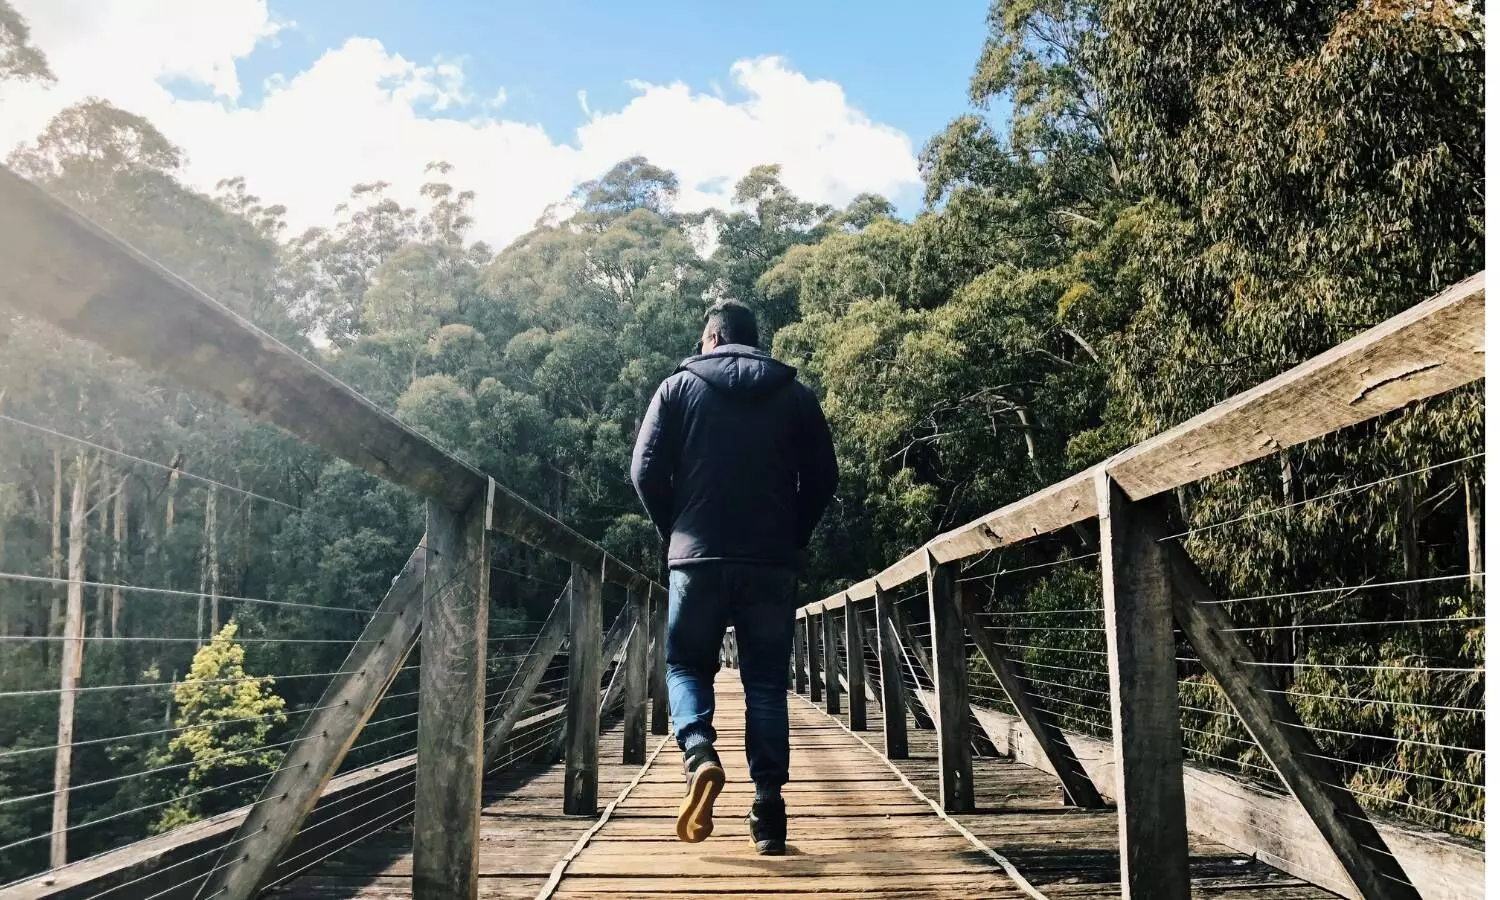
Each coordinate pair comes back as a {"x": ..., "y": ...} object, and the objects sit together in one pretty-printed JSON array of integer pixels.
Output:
[
  {"x": 799, "y": 656},
  {"x": 659, "y": 707},
  {"x": 450, "y": 711},
  {"x": 585, "y": 636},
  {"x": 854, "y": 647},
  {"x": 1143, "y": 700},
  {"x": 892, "y": 684},
  {"x": 814, "y": 677},
  {"x": 904, "y": 641},
  {"x": 830, "y": 663},
  {"x": 950, "y": 679},
  {"x": 635, "y": 676}
]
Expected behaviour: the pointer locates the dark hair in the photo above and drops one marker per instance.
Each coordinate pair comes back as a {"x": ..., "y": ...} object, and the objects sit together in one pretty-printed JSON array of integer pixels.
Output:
[{"x": 733, "y": 322}]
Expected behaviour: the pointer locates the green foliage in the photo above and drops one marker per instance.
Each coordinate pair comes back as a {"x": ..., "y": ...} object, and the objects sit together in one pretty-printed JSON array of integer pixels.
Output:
[
  {"x": 19, "y": 59},
  {"x": 1182, "y": 201},
  {"x": 225, "y": 715}
]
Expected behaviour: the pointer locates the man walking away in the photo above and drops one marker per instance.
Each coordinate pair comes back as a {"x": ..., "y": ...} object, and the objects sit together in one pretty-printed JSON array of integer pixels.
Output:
[{"x": 735, "y": 466}]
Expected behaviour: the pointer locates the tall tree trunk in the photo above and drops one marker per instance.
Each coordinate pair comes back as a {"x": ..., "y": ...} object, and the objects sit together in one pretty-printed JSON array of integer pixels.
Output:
[
  {"x": 1411, "y": 550},
  {"x": 171, "y": 517},
  {"x": 1283, "y": 647},
  {"x": 211, "y": 536},
  {"x": 55, "y": 616},
  {"x": 72, "y": 662},
  {"x": 202, "y": 599},
  {"x": 101, "y": 599},
  {"x": 1472, "y": 519},
  {"x": 117, "y": 565}
]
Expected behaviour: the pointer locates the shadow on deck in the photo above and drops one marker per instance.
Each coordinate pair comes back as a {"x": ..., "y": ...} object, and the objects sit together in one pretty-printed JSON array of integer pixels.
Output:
[{"x": 856, "y": 829}]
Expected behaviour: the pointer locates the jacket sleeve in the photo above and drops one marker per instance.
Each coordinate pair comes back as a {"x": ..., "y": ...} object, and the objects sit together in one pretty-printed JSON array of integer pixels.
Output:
[
  {"x": 817, "y": 470},
  {"x": 655, "y": 459}
]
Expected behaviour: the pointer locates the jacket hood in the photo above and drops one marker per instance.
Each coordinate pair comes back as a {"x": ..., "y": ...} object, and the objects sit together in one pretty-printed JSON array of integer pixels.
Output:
[{"x": 740, "y": 370}]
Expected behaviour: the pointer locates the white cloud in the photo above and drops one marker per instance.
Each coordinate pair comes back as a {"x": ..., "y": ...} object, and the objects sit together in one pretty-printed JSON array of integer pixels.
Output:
[{"x": 363, "y": 113}]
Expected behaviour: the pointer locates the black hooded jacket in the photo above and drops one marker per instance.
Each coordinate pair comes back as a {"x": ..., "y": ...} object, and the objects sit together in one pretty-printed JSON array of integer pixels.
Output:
[{"x": 734, "y": 461}]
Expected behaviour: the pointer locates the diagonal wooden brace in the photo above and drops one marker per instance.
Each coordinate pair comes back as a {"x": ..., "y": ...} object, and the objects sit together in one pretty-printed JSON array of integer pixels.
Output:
[
  {"x": 326, "y": 736},
  {"x": 1273, "y": 722},
  {"x": 1078, "y": 788}
]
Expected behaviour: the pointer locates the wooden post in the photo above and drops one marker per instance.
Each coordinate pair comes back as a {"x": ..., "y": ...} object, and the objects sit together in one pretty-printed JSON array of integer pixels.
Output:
[
  {"x": 892, "y": 682},
  {"x": 548, "y": 641},
  {"x": 450, "y": 712},
  {"x": 830, "y": 663},
  {"x": 614, "y": 641},
  {"x": 635, "y": 676},
  {"x": 659, "y": 705},
  {"x": 326, "y": 735},
  {"x": 854, "y": 649},
  {"x": 799, "y": 656},
  {"x": 585, "y": 635},
  {"x": 1143, "y": 700},
  {"x": 1276, "y": 726},
  {"x": 903, "y": 639},
  {"x": 814, "y": 677},
  {"x": 616, "y": 644},
  {"x": 1078, "y": 788},
  {"x": 950, "y": 681}
]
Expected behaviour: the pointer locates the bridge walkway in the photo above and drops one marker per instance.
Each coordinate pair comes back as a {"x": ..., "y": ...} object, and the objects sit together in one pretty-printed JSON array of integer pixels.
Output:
[{"x": 857, "y": 829}]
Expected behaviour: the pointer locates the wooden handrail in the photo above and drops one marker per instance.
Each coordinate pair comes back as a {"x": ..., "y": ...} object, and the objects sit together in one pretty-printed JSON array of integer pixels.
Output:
[
  {"x": 1431, "y": 348},
  {"x": 58, "y": 266}
]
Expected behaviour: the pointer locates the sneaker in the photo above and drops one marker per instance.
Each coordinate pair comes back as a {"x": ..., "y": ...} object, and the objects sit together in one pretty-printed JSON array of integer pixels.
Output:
[
  {"x": 705, "y": 778},
  {"x": 768, "y": 826}
]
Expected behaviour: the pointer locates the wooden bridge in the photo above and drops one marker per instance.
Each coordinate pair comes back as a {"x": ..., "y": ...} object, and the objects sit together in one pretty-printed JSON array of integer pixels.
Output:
[{"x": 931, "y": 755}]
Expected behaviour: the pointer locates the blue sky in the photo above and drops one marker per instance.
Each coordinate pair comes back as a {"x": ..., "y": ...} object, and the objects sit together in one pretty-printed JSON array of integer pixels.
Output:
[
  {"x": 905, "y": 64},
  {"x": 304, "y": 98}
]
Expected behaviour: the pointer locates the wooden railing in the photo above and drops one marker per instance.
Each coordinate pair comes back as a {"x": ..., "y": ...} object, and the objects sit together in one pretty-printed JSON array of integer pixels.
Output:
[
  {"x": 1149, "y": 584},
  {"x": 57, "y": 266}
]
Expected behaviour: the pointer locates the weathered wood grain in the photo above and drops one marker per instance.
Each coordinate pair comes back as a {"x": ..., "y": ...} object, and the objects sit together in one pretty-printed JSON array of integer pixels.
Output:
[
  {"x": 517, "y": 697},
  {"x": 854, "y": 652},
  {"x": 799, "y": 656},
  {"x": 951, "y": 680},
  {"x": 893, "y": 699},
  {"x": 326, "y": 736},
  {"x": 1078, "y": 789},
  {"x": 906, "y": 642},
  {"x": 1257, "y": 822},
  {"x": 1433, "y": 347},
  {"x": 1275, "y": 725},
  {"x": 634, "y": 749},
  {"x": 830, "y": 663},
  {"x": 1143, "y": 703},
  {"x": 585, "y": 635},
  {"x": 660, "y": 707},
  {"x": 450, "y": 710},
  {"x": 810, "y": 634},
  {"x": 58, "y": 266}
]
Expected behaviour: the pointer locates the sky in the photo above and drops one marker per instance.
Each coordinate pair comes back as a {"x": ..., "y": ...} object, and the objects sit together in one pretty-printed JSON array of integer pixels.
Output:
[{"x": 526, "y": 98}]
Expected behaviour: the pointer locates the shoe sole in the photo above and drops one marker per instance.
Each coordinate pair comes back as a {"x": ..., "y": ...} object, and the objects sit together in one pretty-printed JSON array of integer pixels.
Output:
[{"x": 695, "y": 818}]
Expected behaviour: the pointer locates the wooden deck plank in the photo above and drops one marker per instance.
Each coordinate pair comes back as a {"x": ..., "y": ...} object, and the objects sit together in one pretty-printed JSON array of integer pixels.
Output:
[
  {"x": 846, "y": 812},
  {"x": 855, "y": 830}
]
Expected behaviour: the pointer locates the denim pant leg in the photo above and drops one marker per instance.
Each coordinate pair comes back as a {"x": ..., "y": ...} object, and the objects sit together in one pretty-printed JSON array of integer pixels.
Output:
[
  {"x": 697, "y": 615},
  {"x": 763, "y": 608}
]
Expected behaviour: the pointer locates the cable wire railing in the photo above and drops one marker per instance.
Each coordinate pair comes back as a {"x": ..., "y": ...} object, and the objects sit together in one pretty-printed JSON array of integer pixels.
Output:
[{"x": 1296, "y": 579}]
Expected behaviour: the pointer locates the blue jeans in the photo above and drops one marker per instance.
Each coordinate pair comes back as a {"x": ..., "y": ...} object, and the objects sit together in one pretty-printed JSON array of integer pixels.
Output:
[{"x": 761, "y": 602}]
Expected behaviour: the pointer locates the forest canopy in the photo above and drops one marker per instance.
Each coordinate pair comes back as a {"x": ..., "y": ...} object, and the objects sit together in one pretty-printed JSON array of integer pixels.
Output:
[{"x": 1150, "y": 207}]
